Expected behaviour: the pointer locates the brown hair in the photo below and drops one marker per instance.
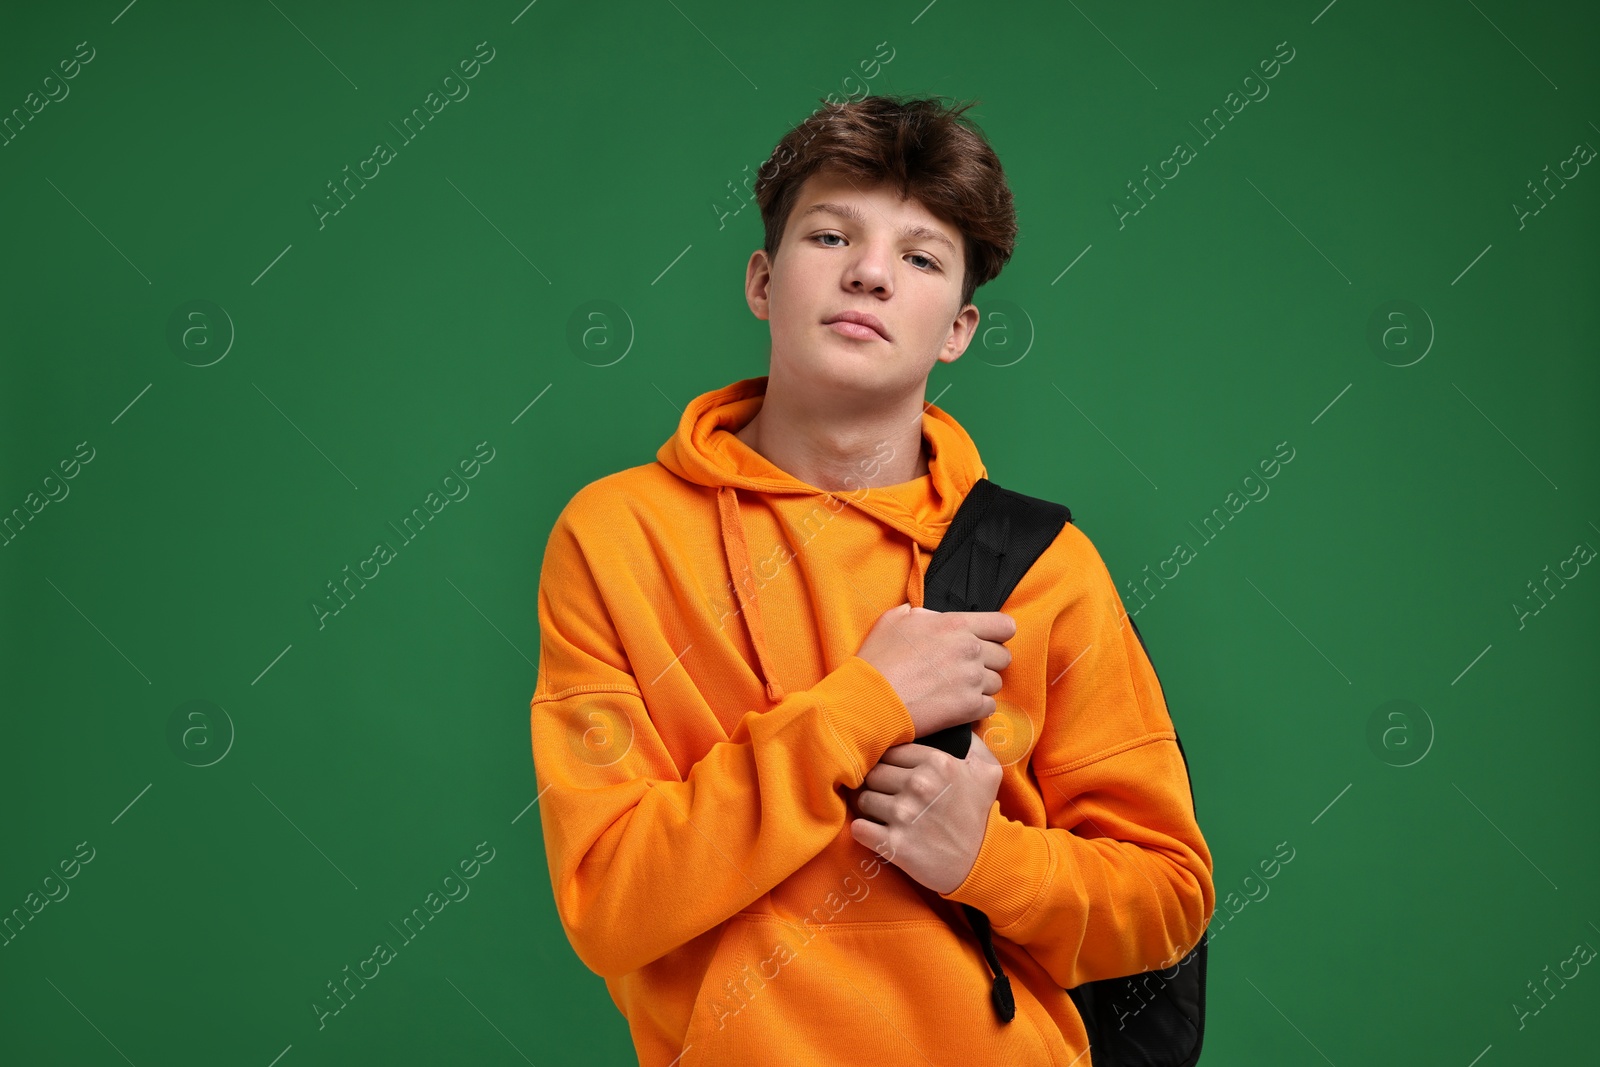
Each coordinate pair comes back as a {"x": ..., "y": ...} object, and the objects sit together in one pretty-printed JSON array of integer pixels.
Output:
[{"x": 919, "y": 145}]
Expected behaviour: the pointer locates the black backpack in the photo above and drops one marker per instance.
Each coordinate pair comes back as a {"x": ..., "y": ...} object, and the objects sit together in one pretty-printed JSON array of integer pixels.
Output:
[{"x": 995, "y": 536}]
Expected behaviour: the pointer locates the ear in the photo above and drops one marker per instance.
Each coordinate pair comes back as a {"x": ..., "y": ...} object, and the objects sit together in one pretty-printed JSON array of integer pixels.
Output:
[
  {"x": 758, "y": 283},
  {"x": 961, "y": 333}
]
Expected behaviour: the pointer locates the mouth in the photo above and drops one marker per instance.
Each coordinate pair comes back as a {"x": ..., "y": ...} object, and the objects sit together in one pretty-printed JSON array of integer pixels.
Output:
[{"x": 858, "y": 325}]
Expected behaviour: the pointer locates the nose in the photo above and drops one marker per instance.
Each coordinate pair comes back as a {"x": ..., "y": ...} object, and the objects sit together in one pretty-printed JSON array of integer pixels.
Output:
[{"x": 870, "y": 270}]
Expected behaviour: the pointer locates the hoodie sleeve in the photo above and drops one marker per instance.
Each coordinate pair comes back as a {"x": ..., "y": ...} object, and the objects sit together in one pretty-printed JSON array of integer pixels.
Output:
[
  {"x": 642, "y": 856},
  {"x": 1120, "y": 880}
]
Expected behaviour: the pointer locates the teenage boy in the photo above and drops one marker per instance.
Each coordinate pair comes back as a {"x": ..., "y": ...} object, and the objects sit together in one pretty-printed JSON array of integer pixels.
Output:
[{"x": 743, "y": 841}]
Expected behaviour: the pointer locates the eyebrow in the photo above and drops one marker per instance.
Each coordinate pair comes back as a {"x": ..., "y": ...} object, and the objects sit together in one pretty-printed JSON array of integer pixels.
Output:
[{"x": 856, "y": 215}]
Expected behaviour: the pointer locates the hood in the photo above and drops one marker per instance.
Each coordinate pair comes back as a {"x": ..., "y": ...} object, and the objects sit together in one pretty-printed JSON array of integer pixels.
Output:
[{"x": 704, "y": 450}]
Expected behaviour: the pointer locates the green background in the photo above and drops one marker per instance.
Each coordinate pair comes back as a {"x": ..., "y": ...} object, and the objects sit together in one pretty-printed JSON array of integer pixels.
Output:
[{"x": 348, "y": 767}]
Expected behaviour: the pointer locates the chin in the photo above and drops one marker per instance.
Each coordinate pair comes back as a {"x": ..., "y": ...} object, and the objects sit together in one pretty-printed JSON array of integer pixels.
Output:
[{"x": 843, "y": 364}]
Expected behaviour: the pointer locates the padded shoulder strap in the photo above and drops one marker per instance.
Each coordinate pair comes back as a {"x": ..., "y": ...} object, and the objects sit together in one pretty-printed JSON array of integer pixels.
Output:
[{"x": 995, "y": 536}]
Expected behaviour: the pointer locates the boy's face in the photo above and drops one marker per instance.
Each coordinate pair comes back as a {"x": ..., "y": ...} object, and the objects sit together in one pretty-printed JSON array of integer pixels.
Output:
[{"x": 828, "y": 262}]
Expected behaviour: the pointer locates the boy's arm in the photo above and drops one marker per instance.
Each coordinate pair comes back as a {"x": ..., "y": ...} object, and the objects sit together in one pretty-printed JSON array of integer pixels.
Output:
[
  {"x": 1120, "y": 881},
  {"x": 642, "y": 858}
]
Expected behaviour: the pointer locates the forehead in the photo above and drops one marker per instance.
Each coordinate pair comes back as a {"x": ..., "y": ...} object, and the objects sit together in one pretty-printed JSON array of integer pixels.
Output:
[{"x": 830, "y": 197}]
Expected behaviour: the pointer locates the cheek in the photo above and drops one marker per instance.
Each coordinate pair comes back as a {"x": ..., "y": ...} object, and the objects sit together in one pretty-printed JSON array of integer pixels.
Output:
[
  {"x": 930, "y": 326},
  {"x": 792, "y": 309}
]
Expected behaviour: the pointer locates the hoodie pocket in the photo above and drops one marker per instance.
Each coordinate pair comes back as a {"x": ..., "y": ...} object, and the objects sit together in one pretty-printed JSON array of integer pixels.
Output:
[{"x": 905, "y": 991}]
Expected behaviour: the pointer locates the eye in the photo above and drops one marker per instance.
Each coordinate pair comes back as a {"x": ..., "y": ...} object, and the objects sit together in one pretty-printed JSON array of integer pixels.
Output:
[{"x": 931, "y": 265}]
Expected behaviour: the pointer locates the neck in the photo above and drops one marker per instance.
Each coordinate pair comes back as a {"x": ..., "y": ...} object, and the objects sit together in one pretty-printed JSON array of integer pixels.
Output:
[{"x": 840, "y": 449}]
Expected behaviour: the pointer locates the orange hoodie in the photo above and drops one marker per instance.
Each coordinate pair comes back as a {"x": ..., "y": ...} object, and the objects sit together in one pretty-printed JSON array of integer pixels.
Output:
[{"x": 701, "y": 723}]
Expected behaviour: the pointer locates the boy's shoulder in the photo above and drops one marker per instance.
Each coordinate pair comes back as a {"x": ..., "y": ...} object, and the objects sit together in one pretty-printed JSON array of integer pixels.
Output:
[
  {"x": 1069, "y": 570},
  {"x": 612, "y": 504}
]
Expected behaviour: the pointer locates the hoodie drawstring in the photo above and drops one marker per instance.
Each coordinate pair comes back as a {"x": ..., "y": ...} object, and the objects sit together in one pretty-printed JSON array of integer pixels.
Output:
[
  {"x": 738, "y": 553},
  {"x": 736, "y": 547}
]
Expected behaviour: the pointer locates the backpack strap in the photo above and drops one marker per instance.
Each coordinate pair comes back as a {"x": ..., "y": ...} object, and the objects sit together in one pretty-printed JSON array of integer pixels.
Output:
[{"x": 995, "y": 536}]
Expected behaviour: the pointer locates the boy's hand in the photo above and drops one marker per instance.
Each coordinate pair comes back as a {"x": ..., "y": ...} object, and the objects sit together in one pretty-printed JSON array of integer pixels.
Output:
[
  {"x": 926, "y": 811},
  {"x": 944, "y": 665}
]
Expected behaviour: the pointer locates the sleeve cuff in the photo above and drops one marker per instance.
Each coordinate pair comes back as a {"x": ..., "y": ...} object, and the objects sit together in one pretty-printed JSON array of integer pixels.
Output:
[
  {"x": 865, "y": 714},
  {"x": 1013, "y": 867}
]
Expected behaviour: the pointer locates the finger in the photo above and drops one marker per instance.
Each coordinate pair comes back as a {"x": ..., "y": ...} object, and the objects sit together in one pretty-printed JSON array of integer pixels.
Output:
[
  {"x": 888, "y": 777},
  {"x": 989, "y": 625},
  {"x": 876, "y": 806},
  {"x": 996, "y": 657},
  {"x": 872, "y": 836},
  {"x": 910, "y": 754}
]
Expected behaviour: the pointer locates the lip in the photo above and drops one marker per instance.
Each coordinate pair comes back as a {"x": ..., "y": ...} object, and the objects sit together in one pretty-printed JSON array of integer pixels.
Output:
[{"x": 859, "y": 318}]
